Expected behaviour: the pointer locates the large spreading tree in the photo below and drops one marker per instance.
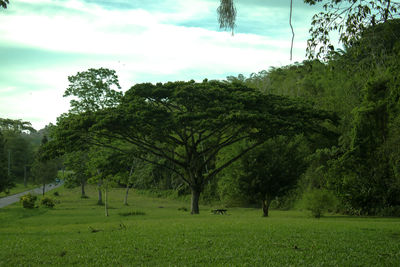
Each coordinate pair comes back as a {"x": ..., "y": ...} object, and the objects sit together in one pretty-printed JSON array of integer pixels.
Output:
[{"x": 189, "y": 123}]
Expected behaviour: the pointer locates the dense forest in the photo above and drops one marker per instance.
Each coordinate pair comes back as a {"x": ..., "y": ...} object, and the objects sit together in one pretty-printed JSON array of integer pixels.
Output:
[
  {"x": 361, "y": 85},
  {"x": 321, "y": 132}
]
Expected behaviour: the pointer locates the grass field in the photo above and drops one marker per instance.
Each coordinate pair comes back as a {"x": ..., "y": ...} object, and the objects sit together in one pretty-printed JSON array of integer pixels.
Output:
[{"x": 76, "y": 232}]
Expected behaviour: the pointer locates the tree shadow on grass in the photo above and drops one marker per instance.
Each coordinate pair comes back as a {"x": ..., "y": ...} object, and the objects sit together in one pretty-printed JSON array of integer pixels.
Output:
[{"x": 21, "y": 213}]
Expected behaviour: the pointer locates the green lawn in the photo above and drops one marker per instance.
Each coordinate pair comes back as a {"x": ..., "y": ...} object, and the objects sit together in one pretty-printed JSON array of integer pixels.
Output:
[
  {"x": 166, "y": 236},
  {"x": 19, "y": 187}
]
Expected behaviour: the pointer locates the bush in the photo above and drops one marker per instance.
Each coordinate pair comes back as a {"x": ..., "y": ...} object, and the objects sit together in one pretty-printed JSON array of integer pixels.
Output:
[
  {"x": 28, "y": 201},
  {"x": 393, "y": 211},
  {"x": 131, "y": 213},
  {"x": 56, "y": 194},
  {"x": 47, "y": 202},
  {"x": 318, "y": 201}
]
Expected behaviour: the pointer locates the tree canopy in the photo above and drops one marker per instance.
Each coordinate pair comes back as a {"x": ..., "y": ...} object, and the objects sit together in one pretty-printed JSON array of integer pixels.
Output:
[
  {"x": 16, "y": 125},
  {"x": 94, "y": 90}
]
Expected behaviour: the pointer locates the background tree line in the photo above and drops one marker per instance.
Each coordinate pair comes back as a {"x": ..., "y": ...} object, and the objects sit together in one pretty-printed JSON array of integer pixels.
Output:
[
  {"x": 360, "y": 84},
  {"x": 316, "y": 129},
  {"x": 329, "y": 126},
  {"x": 20, "y": 153}
]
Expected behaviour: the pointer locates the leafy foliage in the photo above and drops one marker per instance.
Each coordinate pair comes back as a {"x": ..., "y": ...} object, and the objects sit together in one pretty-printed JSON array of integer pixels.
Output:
[{"x": 350, "y": 18}]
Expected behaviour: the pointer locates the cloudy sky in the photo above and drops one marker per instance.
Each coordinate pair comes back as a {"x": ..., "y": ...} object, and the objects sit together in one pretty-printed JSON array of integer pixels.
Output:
[{"x": 42, "y": 42}]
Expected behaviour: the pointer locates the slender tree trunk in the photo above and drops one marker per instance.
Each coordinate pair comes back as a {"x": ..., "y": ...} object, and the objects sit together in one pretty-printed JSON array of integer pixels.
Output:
[
  {"x": 128, "y": 185},
  {"x": 25, "y": 178},
  {"x": 44, "y": 188},
  {"x": 100, "y": 201},
  {"x": 195, "y": 201},
  {"x": 83, "y": 194},
  {"x": 265, "y": 206},
  {"x": 9, "y": 163},
  {"x": 126, "y": 194},
  {"x": 105, "y": 201}
]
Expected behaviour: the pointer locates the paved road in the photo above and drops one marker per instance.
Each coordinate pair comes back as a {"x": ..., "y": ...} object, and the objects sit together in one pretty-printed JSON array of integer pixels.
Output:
[{"x": 5, "y": 201}]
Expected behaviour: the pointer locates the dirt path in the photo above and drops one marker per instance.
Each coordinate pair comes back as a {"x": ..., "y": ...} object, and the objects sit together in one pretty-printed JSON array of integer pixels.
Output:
[{"x": 5, "y": 201}]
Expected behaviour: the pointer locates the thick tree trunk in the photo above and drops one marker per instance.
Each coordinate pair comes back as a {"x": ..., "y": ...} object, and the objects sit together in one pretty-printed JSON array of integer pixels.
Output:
[
  {"x": 195, "y": 201},
  {"x": 105, "y": 202},
  {"x": 265, "y": 206},
  {"x": 126, "y": 195}
]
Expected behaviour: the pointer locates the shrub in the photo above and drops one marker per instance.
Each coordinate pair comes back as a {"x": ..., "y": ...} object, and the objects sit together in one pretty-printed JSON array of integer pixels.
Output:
[
  {"x": 319, "y": 201},
  {"x": 183, "y": 209},
  {"x": 28, "y": 201},
  {"x": 393, "y": 211},
  {"x": 56, "y": 194},
  {"x": 47, "y": 202},
  {"x": 131, "y": 213}
]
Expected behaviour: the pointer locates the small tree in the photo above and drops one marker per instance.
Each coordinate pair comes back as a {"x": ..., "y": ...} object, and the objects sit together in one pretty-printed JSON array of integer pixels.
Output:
[
  {"x": 272, "y": 169},
  {"x": 319, "y": 201},
  {"x": 103, "y": 170},
  {"x": 77, "y": 162},
  {"x": 126, "y": 177},
  {"x": 44, "y": 169},
  {"x": 94, "y": 90},
  {"x": 91, "y": 91}
]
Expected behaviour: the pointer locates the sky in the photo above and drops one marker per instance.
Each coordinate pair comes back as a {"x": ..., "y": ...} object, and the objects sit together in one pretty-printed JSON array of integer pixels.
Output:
[{"x": 42, "y": 42}]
